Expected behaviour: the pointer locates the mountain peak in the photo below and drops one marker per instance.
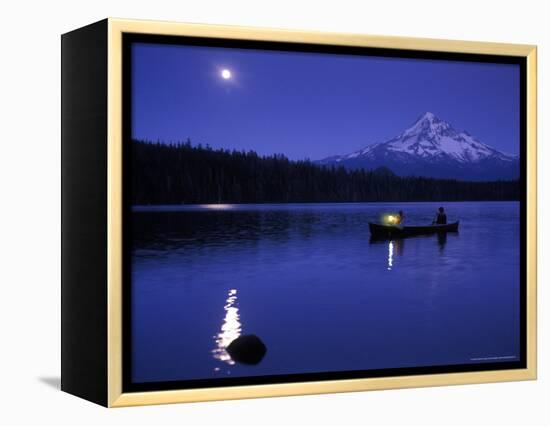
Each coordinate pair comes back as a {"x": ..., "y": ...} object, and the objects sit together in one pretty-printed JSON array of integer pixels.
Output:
[
  {"x": 428, "y": 119},
  {"x": 429, "y": 125},
  {"x": 428, "y": 116},
  {"x": 432, "y": 147}
]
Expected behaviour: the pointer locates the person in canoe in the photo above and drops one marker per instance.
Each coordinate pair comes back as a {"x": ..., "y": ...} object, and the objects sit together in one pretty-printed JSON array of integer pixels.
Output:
[
  {"x": 399, "y": 218},
  {"x": 441, "y": 217}
]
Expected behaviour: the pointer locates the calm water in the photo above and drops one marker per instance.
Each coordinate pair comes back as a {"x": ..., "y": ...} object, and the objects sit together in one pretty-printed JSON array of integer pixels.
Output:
[{"x": 309, "y": 282}]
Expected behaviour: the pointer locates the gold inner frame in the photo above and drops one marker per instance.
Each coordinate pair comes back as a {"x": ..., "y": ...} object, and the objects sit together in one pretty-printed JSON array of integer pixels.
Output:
[{"x": 116, "y": 27}]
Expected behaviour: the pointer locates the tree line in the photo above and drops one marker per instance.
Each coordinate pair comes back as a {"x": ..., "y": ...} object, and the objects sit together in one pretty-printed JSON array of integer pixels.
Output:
[{"x": 183, "y": 173}]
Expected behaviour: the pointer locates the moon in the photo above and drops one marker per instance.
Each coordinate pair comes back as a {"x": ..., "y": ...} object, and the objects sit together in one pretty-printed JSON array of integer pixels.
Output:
[{"x": 226, "y": 74}]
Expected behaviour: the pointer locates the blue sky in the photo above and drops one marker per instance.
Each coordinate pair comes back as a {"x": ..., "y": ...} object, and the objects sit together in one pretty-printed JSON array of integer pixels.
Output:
[{"x": 311, "y": 105}]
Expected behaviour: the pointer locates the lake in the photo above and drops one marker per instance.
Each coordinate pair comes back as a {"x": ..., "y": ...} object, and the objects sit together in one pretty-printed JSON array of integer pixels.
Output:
[{"x": 323, "y": 297}]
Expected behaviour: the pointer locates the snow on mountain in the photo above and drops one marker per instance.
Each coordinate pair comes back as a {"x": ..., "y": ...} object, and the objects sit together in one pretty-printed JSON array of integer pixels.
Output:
[{"x": 432, "y": 147}]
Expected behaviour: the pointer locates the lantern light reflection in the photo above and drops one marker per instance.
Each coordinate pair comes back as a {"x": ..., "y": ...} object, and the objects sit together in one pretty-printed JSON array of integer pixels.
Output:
[{"x": 390, "y": 255}]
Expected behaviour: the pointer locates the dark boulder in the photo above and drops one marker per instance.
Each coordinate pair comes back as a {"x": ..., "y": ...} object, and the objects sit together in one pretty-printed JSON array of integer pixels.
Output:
[{"x": 247, "y": 349}]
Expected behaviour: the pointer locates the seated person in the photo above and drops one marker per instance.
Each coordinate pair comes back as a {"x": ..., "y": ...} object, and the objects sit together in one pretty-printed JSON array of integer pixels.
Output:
[
  {"x": 441, "y": 218},
  {"x": 399, "y": 218}
]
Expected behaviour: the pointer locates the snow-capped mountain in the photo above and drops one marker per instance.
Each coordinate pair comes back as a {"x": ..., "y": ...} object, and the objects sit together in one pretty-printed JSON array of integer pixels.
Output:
[{"x": 432, "y": 147}]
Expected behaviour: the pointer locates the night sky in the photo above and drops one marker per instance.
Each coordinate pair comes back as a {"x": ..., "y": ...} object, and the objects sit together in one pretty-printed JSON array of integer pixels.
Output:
[{"x": 310, "y": 105}]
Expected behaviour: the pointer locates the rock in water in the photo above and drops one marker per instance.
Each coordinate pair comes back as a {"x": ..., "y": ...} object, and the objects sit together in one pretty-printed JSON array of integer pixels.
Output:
[{"x": 247, "y": 349}]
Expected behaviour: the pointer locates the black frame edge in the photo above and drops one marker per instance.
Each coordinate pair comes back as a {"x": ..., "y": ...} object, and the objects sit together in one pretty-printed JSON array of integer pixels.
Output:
[{"x": 84, "y": 212}]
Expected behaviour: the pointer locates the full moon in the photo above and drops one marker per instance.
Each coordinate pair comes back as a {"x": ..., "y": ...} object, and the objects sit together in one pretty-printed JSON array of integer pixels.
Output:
[{"x": 226, "y": 74}]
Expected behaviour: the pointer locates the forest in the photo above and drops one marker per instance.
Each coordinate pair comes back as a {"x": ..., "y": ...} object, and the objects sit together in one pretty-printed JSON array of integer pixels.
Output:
[{"x": 183, "y": 173}]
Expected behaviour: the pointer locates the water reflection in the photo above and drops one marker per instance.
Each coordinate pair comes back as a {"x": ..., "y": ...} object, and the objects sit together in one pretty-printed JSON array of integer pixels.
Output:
[
  {"x": 395, "y": 247},
  {"x": 441, "y": 241},
  {"x": 230, "y": 329},
  {"x": 217, "y": 206}
]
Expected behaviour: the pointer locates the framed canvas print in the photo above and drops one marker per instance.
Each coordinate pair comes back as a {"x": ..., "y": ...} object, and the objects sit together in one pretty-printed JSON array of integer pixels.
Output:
[{"x": 250, "y": 212}]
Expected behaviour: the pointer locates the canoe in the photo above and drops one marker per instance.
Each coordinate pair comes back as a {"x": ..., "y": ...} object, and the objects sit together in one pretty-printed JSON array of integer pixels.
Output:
[{"x": 389, "y": 231}]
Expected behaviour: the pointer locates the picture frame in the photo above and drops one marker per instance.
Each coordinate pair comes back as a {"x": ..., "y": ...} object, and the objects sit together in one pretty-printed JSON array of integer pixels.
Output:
[{"x": 96, "y": 211}]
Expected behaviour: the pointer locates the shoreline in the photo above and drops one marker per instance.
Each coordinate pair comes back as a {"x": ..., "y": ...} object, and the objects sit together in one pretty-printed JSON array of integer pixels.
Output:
[{"x": 236, "y": 206}]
